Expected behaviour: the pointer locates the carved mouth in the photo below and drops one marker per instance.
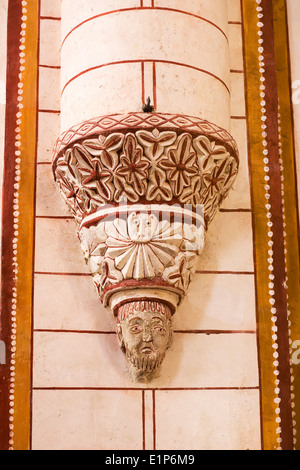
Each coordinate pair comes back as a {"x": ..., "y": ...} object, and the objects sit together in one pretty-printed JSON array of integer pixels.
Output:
[{"x": 147, "y": 350}]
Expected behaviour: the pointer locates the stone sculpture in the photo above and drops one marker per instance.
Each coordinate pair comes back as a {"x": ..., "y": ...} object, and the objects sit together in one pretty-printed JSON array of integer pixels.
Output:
[{"x": 143, "y": 189}]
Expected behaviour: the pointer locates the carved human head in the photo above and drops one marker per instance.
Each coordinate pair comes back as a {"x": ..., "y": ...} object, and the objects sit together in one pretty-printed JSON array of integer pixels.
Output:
[{"x": 145, "y": 333}]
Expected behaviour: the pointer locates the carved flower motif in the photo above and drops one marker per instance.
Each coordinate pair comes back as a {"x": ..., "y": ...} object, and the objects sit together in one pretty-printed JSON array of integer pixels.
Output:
[
  {"x": 210, "y": 153},
  {"x": 215, "y": 180},
  {"x": 133, "y": 169},
  {"x": 179, "y": 275},
  {"x": 181, "y": 164},
  {"x": 142, "y": 247},
  {"x": 95, "y": 175},
  {"x": 155, "y": 142}
]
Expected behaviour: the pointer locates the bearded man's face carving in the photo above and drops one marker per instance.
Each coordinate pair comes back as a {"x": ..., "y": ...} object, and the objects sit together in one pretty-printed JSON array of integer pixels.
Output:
[{"x": 144, "y": 336}]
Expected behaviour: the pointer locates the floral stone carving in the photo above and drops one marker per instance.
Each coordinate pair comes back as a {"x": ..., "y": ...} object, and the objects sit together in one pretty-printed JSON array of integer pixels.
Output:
[{"x": 143, "y": 189}]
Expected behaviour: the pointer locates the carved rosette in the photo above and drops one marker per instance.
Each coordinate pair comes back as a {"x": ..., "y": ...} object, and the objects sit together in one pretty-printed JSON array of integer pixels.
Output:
[{"x": 143, "y": 189}]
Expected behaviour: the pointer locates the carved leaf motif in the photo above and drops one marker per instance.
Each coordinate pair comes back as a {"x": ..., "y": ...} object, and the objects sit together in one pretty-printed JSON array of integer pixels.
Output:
[
  {"x": 105, "y": 148},
  {"x": 210, "y": 153},
  {"x": 132, "y": 167},
  {"x": 181, "y": 164},
  {"x": 155, "y": 142},
  {"x": 179, "y": 275},
  {"x": 158, "y": 187}
]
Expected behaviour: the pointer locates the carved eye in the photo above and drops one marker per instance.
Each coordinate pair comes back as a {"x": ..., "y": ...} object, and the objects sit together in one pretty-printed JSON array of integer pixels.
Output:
[
  {"x": 160, "y": 330},
  {"x": 135, "y": 329}
]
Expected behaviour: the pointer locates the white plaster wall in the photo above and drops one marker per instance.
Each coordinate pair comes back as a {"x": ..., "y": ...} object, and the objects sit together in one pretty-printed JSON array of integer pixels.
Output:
[
  {"x": 293, "y": 9},
  {"x": 75, "y": 345},
  {"x": 3, "y": 41},
  {"x": 112, "y": 38}
]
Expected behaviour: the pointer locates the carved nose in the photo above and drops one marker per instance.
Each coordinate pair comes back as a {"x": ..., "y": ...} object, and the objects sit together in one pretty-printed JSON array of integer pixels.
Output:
[{"x": 147, "y": 335}]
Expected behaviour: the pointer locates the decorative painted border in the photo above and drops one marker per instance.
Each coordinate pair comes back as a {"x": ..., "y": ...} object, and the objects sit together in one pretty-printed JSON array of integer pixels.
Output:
[
  {"x": 133, "y": 121},
  {"x": 18, "y": 223},
  {"x": 265, "y": 88}
]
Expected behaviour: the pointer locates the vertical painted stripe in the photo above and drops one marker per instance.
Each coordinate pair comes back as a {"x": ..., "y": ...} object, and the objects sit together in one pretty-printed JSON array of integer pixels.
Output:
[
  {"x": 26, "y": 237},
  {"x": 18, "y": 220},
  {"x": 8, "y": 281},
  {"x": 264, "y": 149},
  {"x": 290, "y": 201}
]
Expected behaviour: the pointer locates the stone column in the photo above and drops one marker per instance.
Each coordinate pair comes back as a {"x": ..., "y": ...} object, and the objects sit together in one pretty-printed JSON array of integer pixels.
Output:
[
  {"x": 116, "y": 53},
  {"x": 145, "y": 157}
]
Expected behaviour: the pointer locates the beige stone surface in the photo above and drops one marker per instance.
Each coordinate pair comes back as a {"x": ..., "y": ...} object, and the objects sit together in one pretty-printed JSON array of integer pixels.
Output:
[
  {"x": 219, "y": 420},
  {"x": 194, "y": 360},
  {"x": 87, "y": 420}
]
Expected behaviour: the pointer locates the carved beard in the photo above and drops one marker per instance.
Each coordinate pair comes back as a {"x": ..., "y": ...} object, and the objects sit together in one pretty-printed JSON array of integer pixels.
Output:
[{"x": 145, "y": 363}]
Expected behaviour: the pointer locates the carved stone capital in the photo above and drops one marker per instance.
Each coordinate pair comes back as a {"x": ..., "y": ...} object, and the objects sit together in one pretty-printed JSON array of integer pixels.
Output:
[{"x": 143, "y": 189}]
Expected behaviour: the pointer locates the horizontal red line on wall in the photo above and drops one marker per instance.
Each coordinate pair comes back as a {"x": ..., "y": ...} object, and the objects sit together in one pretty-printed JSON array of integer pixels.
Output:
[
  {"x": 57, "y": 67},
  {"x": 175, "y": 389},
  {"x": 196, "y": 332},
  {"x": 236, "y": 71},
  {"x": 235, "y": 22},
  {"x": 86, "y": 332},
  {"x": 137, "y": 61},
  {"x": 235, "y": 210},
  {"x": 54, "y": 18},
  {"x": 46, "y": 273},
  {"x": 238, "y": 117},
  {"x": 55, "y": 217},
  {"x": 248, "y": 273},
  {"x": 124, "y": 10},
  {"x": 43, "y": 273},
  {"x": 50, "y": 111}
]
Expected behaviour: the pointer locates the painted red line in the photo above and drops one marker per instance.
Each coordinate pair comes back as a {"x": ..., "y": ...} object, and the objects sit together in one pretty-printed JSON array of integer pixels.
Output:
[
  {"x": 235, "y": 22},
  {"x": 216, "y": 332},
  {"x": 154, "y": 419},
  {"x": 170, "y": 389},
  {"x": 86, "y": 332},
  {"x": 236, "y": 210},
  {"x": 144, "y": 8},
  {"x": 134, "y": 61},
  {"x": 51, "y": 111},
  {"x": 55, "y": 217},
  {"x": 143, "y": 82},
  {"x": 97, "y": 332},
  {"x": 238, "y": 117},
  {"x": 43, "y": 273},
  {"x": 54, "y": 18},
  {"x": 57, "y": 67},
  {"x": 236, "y": 71},
  {"x": 143, "y": 419},
  {"x": 154, "y": 86},
  {"x": 248, "y": 273}
]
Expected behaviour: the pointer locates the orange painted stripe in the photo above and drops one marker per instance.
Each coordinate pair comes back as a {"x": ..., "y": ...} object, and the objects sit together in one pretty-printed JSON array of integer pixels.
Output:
[{"x": 28, "y": 140}]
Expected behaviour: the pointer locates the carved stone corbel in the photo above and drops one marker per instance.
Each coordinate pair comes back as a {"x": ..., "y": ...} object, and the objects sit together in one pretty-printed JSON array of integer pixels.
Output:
[{"x": 143, "y": 189}]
